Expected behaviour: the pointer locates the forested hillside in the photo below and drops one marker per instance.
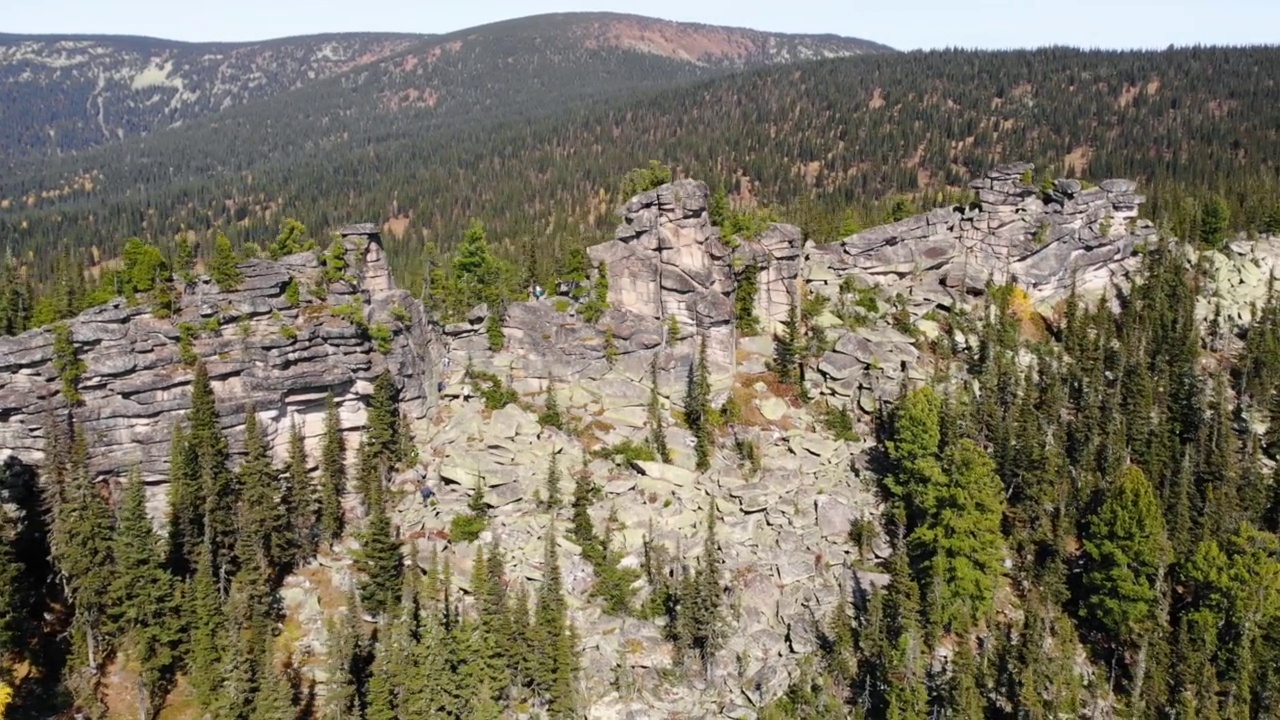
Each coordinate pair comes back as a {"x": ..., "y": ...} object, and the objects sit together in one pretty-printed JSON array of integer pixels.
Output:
[
  {"x": 827, "y": 142},
  {"x": 69, "y": 93}
]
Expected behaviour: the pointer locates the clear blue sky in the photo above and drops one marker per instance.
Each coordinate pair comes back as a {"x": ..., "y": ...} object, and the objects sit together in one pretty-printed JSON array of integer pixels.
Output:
[{"x": 904, "y": 24}]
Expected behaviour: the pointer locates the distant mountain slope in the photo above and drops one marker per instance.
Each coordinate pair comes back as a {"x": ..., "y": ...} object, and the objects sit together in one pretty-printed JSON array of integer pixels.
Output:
[
  {"x": 61, "y": 94},
  {"x": 827, "y": 141},
  {"x": 67, "y": 93}
]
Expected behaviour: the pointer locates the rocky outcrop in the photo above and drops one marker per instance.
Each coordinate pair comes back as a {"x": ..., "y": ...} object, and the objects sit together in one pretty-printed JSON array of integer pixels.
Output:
[
  {"x": 264, "y": 351},
  {"x": 1046, "y": 240},
  {"x": 668, "y": 262}
]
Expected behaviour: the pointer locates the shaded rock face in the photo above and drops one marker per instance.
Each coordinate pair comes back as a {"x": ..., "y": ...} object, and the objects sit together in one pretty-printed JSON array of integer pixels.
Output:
[
  {"x": 1044, "y": 240},
  {"x": 261, "y": 352},
  {"x": 668, "y": 261}
]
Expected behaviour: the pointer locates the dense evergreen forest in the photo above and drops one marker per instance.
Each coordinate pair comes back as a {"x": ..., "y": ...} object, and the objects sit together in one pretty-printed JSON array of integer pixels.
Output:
[
  {"x": 1088, "y": 530},
  {"x": 833, "y": 145},
  {"x": 196, "y": 614}
]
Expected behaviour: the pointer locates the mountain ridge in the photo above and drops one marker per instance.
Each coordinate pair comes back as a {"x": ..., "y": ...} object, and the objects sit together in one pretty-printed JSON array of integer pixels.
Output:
[{"x": 66, "y": 93}]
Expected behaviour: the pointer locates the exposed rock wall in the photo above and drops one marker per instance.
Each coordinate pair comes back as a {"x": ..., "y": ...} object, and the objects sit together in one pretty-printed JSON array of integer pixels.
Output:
[
  {"x": 261, "y": 352},
  {"x": 1045, "y": 241}
]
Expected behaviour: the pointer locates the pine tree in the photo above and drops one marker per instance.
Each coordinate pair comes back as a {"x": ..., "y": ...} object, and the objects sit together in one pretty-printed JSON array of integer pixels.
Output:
[
  {"x": 265, "y": 533},
  {"x": 141, "y": 599},
  {"x": 958, "y": 542},
  {"x": 553, "y": 654},
  {"x": 223, "y": 267},
  {"x": 379, "y": 560},
  {"x": 13, "y": 595},
  {"x": 697, "y": 408},
  {"x": 1126, "y": 553},
  {"x": 657, "y": 426},
  {"x": 80, "y": 543},
  {"x": 786, "y": 348},
  {"x": 215, "y": 481},
  {"x": 333, "y": 475},
  {"x": 298, "y": 501},
  {"x": 553, "y": 500},
  {"x": 186, "y": 505}
]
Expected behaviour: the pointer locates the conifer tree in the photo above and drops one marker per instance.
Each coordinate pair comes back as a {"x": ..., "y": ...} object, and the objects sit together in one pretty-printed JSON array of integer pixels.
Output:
[
  {"x": 265, "y": 534},
  {"x": 298, "y": 501},
  {"x": 141, "y": 599},
  {"x": 379, "y": 560},
  {"x": 380, "y": 448},
  {"x": 958, "y": 541},
  {"x": 215, "y": 481},
  {"x": 553, "y": 500},
  {"x": 223, "y": 267},
  {"x": 657, "y": 425},
  {"x": 786, "y": 348},
  {"x": 274, "y": 699},
  {"x": 551, "y": 415},
  {"x": 207, "y": 625},
  {"x": 13, "y": 600},
  {"x": 553, "y": 654},
  {"x": 701, "y": 613},
  {"x": 1126, "y": 553},
  {"x": 333, "y": 475},
  {"x": 186, "y": 506},
  {"x": 80, "y": 541},
  {"x": 697, "y": 408},
  {"x": 962, "y": 697},
  {"x": 342, "y": 699}
]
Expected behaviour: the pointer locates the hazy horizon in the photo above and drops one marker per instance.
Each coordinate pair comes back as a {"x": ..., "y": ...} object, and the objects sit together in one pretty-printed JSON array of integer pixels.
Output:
[{"x": 929, "y": 24}]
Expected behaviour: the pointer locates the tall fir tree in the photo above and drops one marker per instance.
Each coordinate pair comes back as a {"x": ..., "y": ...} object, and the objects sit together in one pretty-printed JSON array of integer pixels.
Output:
[
  {"x": 379, "y": 560},
  {"x": 1126, "y": 553},
  {"x": 265, "y": 530},
  {"x": 80, "y": 542},
  {"x": 217, "y": 487},
  {"x": 298, "y": 501},
  {"x": 697, "y": 408},
  {"x": 657, "y": 424},
  {"x": 142, "y": 602},
  {"x": 333, "y": 475}
]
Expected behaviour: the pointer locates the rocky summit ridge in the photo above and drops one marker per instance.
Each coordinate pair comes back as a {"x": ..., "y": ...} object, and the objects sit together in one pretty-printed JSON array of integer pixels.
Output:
[{"x": 785, "y": 516}]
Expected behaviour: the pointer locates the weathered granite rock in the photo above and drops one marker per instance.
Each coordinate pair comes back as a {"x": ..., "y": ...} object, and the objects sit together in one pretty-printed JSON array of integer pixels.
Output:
[{"x": 261, "y": 354}]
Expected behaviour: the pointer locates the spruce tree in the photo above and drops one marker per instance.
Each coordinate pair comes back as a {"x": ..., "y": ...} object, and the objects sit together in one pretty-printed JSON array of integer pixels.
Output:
[
  {"x": 80, "y": 542},
  {"x": 223, "y": 268},
  {"x": 206, "y": 623},
  {"x": 342, "y": 700},
  {"x": 333, "y": 475},
  {"x": 141, "y": 599},
  {"x": 958, "y": 542},
  {"x": 553, "y": 499},
  {"x": 554, "y": 656},
  {"x": 697, "y": 408},
  {"x": 379, "y": 560},
  {"x": 1126, "y": 553},
  {"x": 265, "y": 533},
  {"x": 186, "y": 504},
  {"x": 298, "y": 501},
  {"x": 657, "y": 425},
  {"x": 275, "y": 697},
  {"x": 214, "y": 479},
  {"x": 701, "y": 604},
  {"x": 786, "y": 348},
  {"x": 551, "y": 415},
  {"x": 380, "y": 448}
]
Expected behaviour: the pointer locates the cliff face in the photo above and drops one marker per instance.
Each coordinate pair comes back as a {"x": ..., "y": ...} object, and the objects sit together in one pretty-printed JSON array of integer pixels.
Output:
[{"x": 263, "y": 352}]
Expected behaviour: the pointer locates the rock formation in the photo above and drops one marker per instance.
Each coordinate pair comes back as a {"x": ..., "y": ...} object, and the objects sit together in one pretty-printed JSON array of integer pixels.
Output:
[
  {"x": 262, "y": 352},
  {"x": 787, "y": 497}
]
